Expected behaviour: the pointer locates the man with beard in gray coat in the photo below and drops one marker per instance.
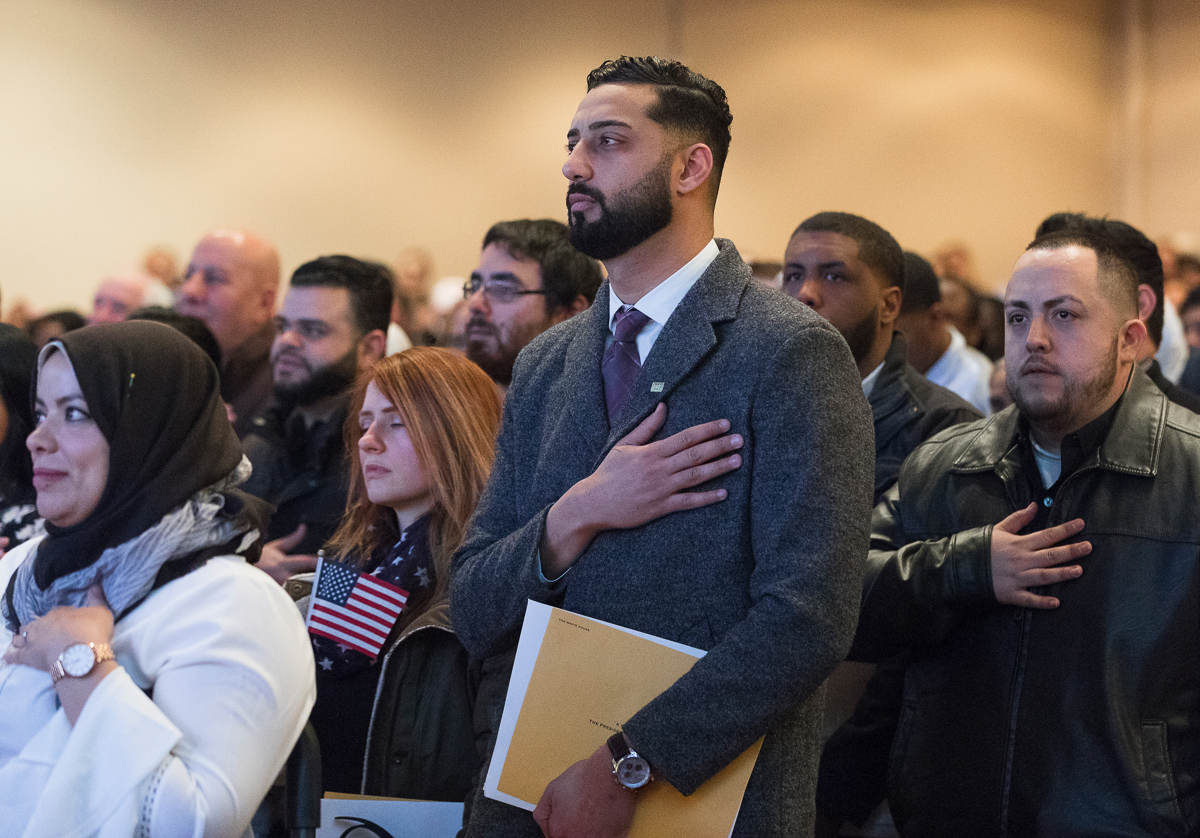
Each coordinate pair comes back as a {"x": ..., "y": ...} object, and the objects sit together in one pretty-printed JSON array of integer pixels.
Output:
[{"x": 690, "y": 458}]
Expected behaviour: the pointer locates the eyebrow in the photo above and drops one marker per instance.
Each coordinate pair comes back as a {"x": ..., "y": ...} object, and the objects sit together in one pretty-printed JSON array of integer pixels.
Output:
[
  {"x": 61, "y": 400},
  {"x": 388, "y": 409},
  {"x": 599, "y": 124},
  {"x": 281, "y": 319},
  {"x": 820, "y": 265},
  {"x": 1051, "y": 303}
]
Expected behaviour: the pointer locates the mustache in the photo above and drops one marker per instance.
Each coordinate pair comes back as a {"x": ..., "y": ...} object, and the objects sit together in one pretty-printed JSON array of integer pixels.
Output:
[
  {"x": 1036, "y": 364},
  {"x": 588, "y": 191},
  {"x": 294, "y": 357},
  {"x": 478, "y": 321}
]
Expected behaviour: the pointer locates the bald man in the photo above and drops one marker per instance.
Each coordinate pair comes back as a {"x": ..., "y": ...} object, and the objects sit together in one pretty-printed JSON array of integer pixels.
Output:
[
  {"x": 120, "y": 293},
  {"x": 230, "y": 283}
]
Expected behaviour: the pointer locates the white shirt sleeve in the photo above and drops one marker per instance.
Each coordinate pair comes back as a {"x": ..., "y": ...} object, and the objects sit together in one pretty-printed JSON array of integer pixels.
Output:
[{"x": 227, "y": 663}]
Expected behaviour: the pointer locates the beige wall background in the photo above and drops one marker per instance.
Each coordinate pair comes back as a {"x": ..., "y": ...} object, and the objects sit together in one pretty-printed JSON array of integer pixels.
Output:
[{"x": 369, "y": 126}]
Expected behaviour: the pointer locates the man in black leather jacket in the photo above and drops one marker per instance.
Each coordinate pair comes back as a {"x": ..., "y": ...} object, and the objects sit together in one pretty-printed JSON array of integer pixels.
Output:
[{"x": 1041, "y": 568}]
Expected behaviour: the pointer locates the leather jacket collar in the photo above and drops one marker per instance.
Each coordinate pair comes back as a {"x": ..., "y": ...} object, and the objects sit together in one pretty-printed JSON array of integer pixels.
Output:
[
  {"x": 886, "y": 398},
  {"x": 1133, "y": 445}
]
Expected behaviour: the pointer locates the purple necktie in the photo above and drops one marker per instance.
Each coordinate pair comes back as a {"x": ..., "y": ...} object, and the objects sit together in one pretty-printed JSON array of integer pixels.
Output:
[{"x": 620, "y": 365}]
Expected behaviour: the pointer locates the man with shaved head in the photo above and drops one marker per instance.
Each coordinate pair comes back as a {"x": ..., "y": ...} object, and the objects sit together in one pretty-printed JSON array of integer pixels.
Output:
[
  {"x": 230, "y": 283},
  {"x": 1040, "y": 569},
  {"x": 122, "y": 292}
]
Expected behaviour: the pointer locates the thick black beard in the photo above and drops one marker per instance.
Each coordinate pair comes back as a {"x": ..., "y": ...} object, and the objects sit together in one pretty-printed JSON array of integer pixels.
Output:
[
  {"x": 328, "y": 381},
  {"x": 637, "y": 213},
  {"x": 861, "y": 336}
]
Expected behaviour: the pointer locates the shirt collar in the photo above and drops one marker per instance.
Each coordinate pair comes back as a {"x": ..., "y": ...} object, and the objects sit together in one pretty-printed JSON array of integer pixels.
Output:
[
  {"x": 660, "y": 301},
  {"x": 1079, "y": 446},
  {"x": 868, "y": 383}
]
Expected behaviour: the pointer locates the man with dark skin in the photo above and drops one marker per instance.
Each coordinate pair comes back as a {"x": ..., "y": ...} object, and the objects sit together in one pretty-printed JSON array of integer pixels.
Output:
[{"x": 852, "y": 272}]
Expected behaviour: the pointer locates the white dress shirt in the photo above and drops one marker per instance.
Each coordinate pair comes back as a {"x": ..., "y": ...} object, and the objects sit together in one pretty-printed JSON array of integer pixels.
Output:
[
  {"x": 964, "y": 371},
  {"x": 661, "y": 300}
]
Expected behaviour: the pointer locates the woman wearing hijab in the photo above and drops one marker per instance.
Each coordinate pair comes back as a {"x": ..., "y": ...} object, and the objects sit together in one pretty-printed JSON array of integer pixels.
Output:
[
  {"x": 153, "y": 682},
  {"x": 422, "y": 433},
  {"x": 19, "y": 520}
]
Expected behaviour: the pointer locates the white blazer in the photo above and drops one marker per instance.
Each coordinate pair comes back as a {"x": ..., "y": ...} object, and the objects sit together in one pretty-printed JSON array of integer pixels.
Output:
[{"x": 226, "y": 659}]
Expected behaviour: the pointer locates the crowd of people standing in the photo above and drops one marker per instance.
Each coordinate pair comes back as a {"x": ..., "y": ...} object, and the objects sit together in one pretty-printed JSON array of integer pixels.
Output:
[{"x": 990, "y": 501}]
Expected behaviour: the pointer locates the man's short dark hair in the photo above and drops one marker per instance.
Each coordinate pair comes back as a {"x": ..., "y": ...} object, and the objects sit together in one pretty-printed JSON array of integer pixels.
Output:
[
  {"x": 1137, "y": 250},
  {"x": 876, "y": 247},
  {"x": 1116, "y": 276},
  {"x": 566, "y": 273},
  {"x": 369, "y": 284},
  {"x": 688, "y": 103},
  {"x": 922, "y": 288},
  {"x": 192, "y": 327}
]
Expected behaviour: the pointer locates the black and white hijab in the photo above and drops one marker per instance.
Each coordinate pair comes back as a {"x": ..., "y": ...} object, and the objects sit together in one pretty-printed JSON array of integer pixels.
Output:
[{"x": 174, "y": 460}]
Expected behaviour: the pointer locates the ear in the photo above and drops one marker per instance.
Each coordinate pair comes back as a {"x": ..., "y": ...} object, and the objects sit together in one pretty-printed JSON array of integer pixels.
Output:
[
  {"x": 889, "y": 305},
  {"x": 580, "y": 303},
  {"x": 1130, "y": 339},
  {"x": 266, "y": 301},
  {"x": 697, "y": 166},
  {"x": 371, "y": 347},
  {"x": 1147, "y": 300}
]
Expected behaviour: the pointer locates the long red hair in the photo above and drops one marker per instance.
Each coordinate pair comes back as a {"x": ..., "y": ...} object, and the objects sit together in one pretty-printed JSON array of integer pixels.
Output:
[{"x": 451, "y": 410}]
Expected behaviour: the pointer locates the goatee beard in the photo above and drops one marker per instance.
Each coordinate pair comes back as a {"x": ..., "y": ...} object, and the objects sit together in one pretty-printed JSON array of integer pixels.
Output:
[{"x": 636, "y": 214}]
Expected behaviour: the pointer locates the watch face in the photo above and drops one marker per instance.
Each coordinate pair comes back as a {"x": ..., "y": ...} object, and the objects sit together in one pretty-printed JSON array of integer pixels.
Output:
[
  {"x": 633, "y": 772},
  {"x": 78, "y": 660}
]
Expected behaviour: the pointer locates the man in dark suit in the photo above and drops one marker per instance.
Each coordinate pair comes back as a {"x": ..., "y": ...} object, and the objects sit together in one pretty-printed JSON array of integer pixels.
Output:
[
  {"x": 852, "y": 272},
  {"x": 703, "y": 474}
]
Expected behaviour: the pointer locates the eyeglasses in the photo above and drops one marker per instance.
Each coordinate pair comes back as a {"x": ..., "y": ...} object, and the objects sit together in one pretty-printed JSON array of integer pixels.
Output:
[{"x": 496, "y": 290}]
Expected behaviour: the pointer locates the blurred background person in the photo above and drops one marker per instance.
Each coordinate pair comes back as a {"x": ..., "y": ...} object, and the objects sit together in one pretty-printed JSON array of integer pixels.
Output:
[
  {"x": 1189, "y": 313},
  {"x": 411, "y": 309},
  {"x": 19, "y": 519},
  {"x": 162, "y": 264},
  {"x": 230, "y": 283},
  {"x": 936, "y": 349},
  {"x": 421, "y": 436},
  {"x": 54, "y": 324},
  {"x": 120, "y": 293}
]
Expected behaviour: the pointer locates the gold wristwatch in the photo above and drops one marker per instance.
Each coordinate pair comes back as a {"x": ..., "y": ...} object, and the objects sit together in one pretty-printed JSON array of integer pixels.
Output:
[{"x": 79, "y": 659}]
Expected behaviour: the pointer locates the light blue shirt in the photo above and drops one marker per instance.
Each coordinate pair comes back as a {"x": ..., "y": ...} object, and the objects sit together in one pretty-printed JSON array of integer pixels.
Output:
[{"x": 868, "y": 383}]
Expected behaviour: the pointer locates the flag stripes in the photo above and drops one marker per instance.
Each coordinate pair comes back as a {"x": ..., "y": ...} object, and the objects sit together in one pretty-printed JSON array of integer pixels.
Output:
[{"x": 354, "y": 609}]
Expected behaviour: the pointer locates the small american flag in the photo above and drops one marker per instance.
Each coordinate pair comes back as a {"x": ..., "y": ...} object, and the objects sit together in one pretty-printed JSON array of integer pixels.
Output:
[{"x": 356, "y": 610}]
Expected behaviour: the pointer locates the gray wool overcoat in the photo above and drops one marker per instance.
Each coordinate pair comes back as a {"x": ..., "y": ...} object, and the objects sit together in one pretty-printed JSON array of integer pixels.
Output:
[{"x": 767, "y": 581}]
